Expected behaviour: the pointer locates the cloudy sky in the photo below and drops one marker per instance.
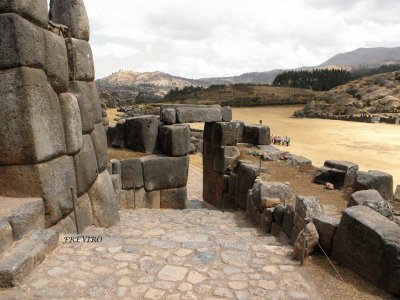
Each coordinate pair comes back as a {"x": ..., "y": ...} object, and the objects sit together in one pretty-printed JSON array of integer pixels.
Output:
[{"x": 207, "y": 38}]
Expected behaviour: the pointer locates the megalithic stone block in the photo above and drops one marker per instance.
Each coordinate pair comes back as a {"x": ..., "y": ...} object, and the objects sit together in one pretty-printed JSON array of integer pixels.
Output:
[
  {"x": 72, "y": 122},
  {"x": 32, "y": 10},
  {"x": 72, "y": 14},
  {"x": 85, "y": 165},
  {"x": 247, "y": 174},
  {"x": 86, "y": 94},
  {"x": 104, "y": 201},
  {"x": 56, "y": 61},
  {"x": 163, "y": 172},
  {"x": 80, "y": 60},
  {"x": 226, "y": 112},
  {"x": 99, "y": 140},
  {"x": 6, "y": 235},
  {"x": 218, "y": 158},
  {"x": 256, "y": 134},
  {"x": 21, "y": 43},
  {"x": 174, "y": 140},
  {"x": 375, "y": 180},
  {"x": 368, "y": 243},
  {"x": 213, "y": 186},
  {"x": 132, "y": 173},
  {"x": 141, "y": 133},
  {"x": 221, "y": 133},
  {"x": 51, "y": 181},
  {"x": 29, "y": 133}
]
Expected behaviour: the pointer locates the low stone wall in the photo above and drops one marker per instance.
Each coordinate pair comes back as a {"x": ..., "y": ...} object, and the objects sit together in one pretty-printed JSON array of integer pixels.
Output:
[{"x": 362, "y": 118}]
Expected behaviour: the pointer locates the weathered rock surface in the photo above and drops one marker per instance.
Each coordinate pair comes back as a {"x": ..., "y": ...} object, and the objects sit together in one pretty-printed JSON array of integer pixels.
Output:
[
  {"x": 268, "y": 190},
  {"x": 221, "y": 133},
  {"x": 326, "y": 227},
  {"x": 6, "y": 235},
  {"x": 186, "y": 113},
  {"x": 72, "y": 122},
  {"x": 256, "y": 134},
  {"x": 375, "y": 180},
  {"x": 340, "y": 173},
  {"x": 226, "y": 112},
  {"x": 72, "y": 14},
  {"x": 372, "y": 199},
  {"x": 298, "y": 161},
  {"x": 32, "y": 10},
  {"x": 104, "y": 202},
  {"x": 85, "y": 165},
  {"x": 132, "y": 173},
  {"x": 162, "y": 172},
  {"x": 141, "y": 133},
  {"x": 369, "y": 244},
  {"x": 26, "y": 218},
  {"x": 213, "y": 187},
  {"x": 396, "y": 196},
  {"x": 311, "y": 238},
  {"x": 85, "y": 93},
  {"x": 56, "y": 62},
  {"x": 247, "y": 174},
  {"x": 99, "y": 140},
  {"x": 218, "y": 158},
  {"x": 51, "y": 181},
  {"x": 80, "y": 60},
  {"x": 21, "y": 43},
  {"x": 174, "y": 140},
  {"x": 28, "y": 129},
  {"x": 168, "y": 116}
]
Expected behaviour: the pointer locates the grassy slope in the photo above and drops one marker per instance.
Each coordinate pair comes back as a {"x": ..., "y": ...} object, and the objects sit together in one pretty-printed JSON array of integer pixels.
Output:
[{"x": 246, "y": 95}]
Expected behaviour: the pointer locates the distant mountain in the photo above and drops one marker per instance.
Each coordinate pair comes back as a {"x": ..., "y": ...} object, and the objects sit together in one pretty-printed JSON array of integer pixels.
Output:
[
  {"x": 364, "y": 57},
  {"x": 152, "y": 86}
]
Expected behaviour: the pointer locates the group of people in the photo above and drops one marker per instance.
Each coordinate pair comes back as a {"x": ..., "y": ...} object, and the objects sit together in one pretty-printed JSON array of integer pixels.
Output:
[{"x": 281, "y": 140}]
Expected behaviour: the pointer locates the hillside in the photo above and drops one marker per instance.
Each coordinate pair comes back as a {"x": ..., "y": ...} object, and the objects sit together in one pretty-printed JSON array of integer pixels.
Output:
[
  {"x": 245, "y": 95},
  {"x": 378, "y": 94},
  {"x": 364, "y": 57},
  {"x": 152, "y": 86}
]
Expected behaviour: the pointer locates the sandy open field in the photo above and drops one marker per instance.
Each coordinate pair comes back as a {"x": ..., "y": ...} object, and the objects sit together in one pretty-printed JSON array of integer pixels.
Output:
[{"x": 372, "y": 146}]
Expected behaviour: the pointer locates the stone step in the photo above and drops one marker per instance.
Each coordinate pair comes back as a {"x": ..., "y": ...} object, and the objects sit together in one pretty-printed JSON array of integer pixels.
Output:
[{"x": 24, "y": 255}]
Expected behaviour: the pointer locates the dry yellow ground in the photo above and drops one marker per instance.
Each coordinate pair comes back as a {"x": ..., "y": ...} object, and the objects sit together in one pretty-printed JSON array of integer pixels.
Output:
[{"x": 371, "y": 146}]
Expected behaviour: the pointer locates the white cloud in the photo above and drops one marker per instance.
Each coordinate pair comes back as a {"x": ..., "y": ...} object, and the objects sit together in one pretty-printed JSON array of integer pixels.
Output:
[{"x": 229, "y": 37}]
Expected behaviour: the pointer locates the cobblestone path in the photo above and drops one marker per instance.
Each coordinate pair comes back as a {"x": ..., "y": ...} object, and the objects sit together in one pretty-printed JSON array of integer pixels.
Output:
[{"x": 170, "y": 254}]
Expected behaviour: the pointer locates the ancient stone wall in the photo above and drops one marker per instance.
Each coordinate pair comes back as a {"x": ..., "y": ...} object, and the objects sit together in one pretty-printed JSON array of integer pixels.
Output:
[{"x": 52, "y": 136}]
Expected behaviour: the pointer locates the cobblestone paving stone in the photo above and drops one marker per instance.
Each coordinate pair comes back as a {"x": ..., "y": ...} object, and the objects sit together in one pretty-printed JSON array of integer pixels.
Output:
[{"x": 170, "y": 254}]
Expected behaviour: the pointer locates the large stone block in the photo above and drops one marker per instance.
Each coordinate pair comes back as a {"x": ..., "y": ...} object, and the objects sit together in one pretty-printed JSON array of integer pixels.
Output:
[
  {"x": 350, "y": 169},
  {"x": 141, "y": 133},
  {"x": 226, "y": 112},
  {"x": 369, "y": 244},
  {"x": 272, "y": 190},
  {"x": 372, "y": 199},
  {"x": 132, "y": 173},
  {"x": 256, "y": 134},
  {"x": 247, "y": 174},
  {"x": 99, "y": 140},
  {"x": 221, "y": 133},
  {"x": 288, "y": 220},
  {"x": 116, "y": 167},
  {"x": 213, "y": 187},
  {"x": 28, "y": 217},
  {"x": 6, "y": 235},
  {"x": 168, "y": 116},
  {"x": 396, "y": 196},
  {"x": 173, "y": 198},
  {"x": 375, "y": 180},
  {"x": 80, "y": 60},
  {"x": 72, "y": 14},
  {"x": 21, "y": 43},
  {"x": 187, "y": 113},
  {"x": 174, "y": 140},
  {"x": 32, "y": 10},
  {"x": 85, "y": 165},
  {"x": 308, "y": 207},
  {"x": 326, "y": 227},
  {"x": 87, "y": 96},
  {"x": 240, "y": 126},
  {"x": 116, "y": 134},
  {"x": 218, "y": 158},
  {"x": 104, "y": 201},
  {"x": 32, "y": 129},
  {"x": 51, "y": 181},
  {"x": 162, "y": 172},
  {"x": 72, "y": 122},
  {"x": 56, "y": 61}
]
